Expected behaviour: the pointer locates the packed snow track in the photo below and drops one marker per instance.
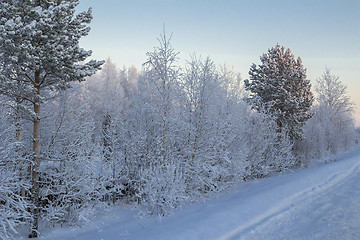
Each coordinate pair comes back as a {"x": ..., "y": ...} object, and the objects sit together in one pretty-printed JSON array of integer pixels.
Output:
[{"x": 327, "y": 211}]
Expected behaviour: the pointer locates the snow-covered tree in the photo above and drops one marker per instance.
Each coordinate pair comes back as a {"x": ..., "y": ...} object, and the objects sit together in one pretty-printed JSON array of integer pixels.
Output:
[
  {"x": 39, "y": 50},
  {"x": 208, "y": 119},
  {"x": 332, "y": 93},
  {"x": 279, "y": 85},
  {"x": 108, "y": 96},
  {"x": 335, "y": 104},
  {"x": 332, "y": 127},
  {"x": 162, "y": 128},
  {"x": 162, "y": 73}
]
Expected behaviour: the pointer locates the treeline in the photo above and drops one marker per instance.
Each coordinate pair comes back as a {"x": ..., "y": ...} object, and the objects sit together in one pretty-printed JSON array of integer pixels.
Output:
[{"x": 155, "y": 138}]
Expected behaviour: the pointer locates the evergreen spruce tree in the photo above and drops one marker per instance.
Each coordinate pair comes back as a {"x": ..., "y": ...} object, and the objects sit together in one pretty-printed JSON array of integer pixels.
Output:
[
  {"x": 279, "y": 86},
  {"x": 39, "y": 51}
]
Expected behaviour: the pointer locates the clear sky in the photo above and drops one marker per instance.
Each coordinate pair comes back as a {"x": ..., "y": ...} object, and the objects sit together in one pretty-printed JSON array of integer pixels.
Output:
[{"x": 324, "y": 33}]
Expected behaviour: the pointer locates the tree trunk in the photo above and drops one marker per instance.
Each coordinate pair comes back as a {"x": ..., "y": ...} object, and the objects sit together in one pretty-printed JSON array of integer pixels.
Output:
[
  {"x": 114, "y": 183},
  {"x": 18, "y": 148},
  {"x": 36, "y": 161},
  {"x": 18, "y": 122}
]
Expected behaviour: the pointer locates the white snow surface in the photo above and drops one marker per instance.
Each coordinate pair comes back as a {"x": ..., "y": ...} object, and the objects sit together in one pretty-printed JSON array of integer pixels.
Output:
[{"x": 320, "y": 202}]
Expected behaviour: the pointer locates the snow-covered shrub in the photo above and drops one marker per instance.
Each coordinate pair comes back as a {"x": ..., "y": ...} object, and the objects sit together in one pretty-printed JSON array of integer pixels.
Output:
[
  {"x": 13, "y": 207},
  {"x": 164, "y": 188},
  {"x": 13, "y": 183},
  {"x": 264, "y": 149},
  {"x": 68, "y": 175}
]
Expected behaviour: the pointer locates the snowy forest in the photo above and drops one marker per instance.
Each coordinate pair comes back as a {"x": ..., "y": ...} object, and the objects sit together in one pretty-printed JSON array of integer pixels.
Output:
[{"x": 78, "y": 135}]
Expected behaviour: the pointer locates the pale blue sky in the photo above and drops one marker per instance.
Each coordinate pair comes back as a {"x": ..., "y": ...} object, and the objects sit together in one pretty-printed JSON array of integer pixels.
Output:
[{"x": 235, "y": 33}]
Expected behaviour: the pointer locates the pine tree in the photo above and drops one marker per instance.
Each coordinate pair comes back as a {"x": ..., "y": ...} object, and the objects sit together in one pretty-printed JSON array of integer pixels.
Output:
[
  {"x": 280, "y": 86},
  {"x": 39, "y": 48}
]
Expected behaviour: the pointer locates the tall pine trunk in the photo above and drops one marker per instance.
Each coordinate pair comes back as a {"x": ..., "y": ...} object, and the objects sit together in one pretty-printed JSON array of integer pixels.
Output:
[{"x": 36, "y": 161}]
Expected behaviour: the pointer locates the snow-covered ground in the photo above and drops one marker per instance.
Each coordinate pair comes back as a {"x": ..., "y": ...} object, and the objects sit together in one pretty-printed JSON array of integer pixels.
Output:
[{"x": 321, "y": 202}]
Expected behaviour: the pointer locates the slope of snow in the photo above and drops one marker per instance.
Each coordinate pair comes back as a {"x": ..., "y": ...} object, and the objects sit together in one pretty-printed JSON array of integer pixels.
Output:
[{"x": 320, "y": 202}]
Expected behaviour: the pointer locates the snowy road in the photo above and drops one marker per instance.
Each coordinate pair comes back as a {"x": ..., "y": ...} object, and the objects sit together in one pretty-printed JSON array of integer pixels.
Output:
[
  {"x": 317, "y": 203},
  {"x": 333, "y": 213}
]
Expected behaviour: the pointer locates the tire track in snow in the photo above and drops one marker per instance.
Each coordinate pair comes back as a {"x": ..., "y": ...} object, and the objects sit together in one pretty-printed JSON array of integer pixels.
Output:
[
  {"x": 287, "y": 205},
  {"x": 332, "y": 214}
]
